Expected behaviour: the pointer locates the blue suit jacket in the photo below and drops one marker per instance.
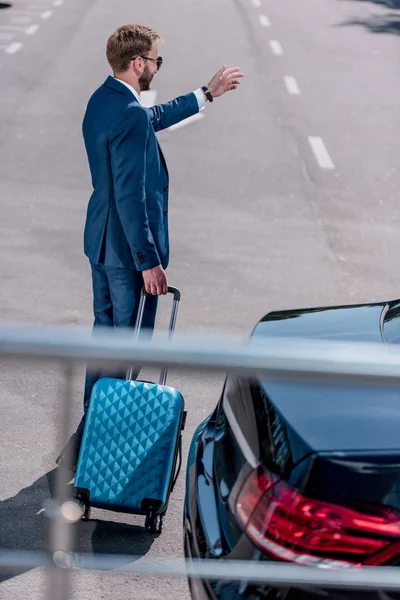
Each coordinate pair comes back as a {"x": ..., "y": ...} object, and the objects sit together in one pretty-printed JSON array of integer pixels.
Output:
[{"x": 127, "y": 216}]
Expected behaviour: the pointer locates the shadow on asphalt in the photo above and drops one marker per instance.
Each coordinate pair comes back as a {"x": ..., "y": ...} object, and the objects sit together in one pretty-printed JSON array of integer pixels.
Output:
[
  {"x": 385, "y": 23},
  {"x": 385, "y": 3},
  {"x": 24, "y": 526},
  {"x": 389, "y": 24}
]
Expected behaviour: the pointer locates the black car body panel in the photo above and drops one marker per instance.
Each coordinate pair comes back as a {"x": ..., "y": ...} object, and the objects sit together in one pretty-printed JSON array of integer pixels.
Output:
[
  {"x": 352, "y": 323},
  {"x": 335, "y": 442},
  {"x": 334, "y": 416},
  {"x": 347, "y": 479},
  {"x": 338, "y": 417}
]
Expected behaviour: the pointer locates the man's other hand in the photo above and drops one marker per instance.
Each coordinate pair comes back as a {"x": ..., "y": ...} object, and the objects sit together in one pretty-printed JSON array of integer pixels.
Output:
[
  {"x": 225, "y": 80},
  {"x": 155, "y": 281}
]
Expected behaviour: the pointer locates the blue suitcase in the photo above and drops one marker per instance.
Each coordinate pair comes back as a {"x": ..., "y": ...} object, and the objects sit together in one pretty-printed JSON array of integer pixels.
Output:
[{"x": 132, "y": 443}]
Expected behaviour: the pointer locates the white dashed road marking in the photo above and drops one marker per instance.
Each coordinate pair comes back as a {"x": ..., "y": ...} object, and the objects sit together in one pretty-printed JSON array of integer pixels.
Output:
[
  {"x": 196, "y": 117},
  {"x": 321, "y": 153},
  {"x": 58, "y": 2},
  {"x": 21, "y": 20},
  {"x": 292, "y": 85},
  {"x": 32, "y": 30},
  {"x": 18, "y": 11},
  {"x": 276, "y": 48},
  {"x": 12, "y": 27},
  {"x": 256, "y": 3},
  {"x": 47, "y": 14},
  {"x": 148, "y": 99},
  {"x": 13, "y": 48},
  {"x": 264, "y": 21}
]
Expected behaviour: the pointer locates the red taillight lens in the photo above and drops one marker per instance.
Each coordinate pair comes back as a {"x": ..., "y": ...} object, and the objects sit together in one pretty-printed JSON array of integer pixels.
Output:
[{"x": 289, "y": 526}]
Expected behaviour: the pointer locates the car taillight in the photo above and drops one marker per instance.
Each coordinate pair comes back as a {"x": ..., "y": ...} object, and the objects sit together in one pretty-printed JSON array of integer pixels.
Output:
[{"x": 289, "y": 526}]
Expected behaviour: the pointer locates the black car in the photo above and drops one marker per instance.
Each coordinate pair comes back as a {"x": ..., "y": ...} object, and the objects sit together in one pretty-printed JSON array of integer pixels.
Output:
[{"x": 299, "y": 472}]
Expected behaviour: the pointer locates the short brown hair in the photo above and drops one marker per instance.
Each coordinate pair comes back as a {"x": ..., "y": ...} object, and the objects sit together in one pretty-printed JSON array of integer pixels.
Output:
[{"x": 128, "y": 41}]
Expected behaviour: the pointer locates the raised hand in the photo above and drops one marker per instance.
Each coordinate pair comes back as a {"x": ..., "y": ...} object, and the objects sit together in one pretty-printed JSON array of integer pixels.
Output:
[{"x": 225, "y": 80}]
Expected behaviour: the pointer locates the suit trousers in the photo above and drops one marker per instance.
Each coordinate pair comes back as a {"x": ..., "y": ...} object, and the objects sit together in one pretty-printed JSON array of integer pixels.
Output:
[{"x": 116, "y": 297}]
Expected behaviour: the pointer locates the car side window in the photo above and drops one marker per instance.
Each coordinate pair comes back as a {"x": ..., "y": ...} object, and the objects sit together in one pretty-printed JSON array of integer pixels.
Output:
[{"x": 274, "y": 443}]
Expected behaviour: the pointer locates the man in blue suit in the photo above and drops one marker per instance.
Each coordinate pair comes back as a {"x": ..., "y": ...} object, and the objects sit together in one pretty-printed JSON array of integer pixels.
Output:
[{"x": 126, "y": 232}]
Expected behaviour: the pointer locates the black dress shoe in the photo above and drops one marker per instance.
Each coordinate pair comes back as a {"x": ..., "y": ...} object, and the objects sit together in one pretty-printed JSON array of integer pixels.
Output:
[{"x": 69, "y": 455}]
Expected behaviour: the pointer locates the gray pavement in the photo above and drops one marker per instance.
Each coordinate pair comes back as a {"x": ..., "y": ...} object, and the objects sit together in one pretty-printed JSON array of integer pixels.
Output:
[{"x": 256, "y": 224}]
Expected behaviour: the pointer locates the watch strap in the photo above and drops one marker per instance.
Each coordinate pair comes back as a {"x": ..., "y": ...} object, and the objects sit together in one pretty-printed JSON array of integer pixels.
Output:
[{"x": 208, "y": 94}]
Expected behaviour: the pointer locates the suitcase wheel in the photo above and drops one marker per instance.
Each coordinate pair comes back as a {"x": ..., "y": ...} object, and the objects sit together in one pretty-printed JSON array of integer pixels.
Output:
[
  {"x": 154, "y": 524},
  {"x": 86, "y": 514}
]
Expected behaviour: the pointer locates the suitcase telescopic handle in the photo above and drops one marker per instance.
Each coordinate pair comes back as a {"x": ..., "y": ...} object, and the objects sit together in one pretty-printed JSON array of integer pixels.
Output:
[{"x": 172, "y": 323}]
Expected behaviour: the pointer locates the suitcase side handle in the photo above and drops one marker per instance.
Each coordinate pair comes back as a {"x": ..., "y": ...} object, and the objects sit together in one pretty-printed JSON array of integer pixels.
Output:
[{"x": 172, "y": 324}]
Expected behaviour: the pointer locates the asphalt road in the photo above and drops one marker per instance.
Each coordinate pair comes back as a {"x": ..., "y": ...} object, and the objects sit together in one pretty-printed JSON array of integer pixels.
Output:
[{"x": 285, "y": 195}]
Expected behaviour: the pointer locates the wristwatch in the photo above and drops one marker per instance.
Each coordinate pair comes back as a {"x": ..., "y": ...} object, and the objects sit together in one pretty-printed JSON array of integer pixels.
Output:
[{"x": 208, "y": 94}]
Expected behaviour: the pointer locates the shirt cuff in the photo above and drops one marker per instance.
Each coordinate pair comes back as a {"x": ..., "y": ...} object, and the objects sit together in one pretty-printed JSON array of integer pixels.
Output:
[{"x": 200, "y": 99}]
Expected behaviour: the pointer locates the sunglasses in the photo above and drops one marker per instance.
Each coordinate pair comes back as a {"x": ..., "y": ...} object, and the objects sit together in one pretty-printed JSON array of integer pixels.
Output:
[{"x": 158, "y": 61}]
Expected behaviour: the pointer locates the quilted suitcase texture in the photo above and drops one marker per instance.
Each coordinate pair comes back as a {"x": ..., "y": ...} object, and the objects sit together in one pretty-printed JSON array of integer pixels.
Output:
[{"x": 130, "y": 446}]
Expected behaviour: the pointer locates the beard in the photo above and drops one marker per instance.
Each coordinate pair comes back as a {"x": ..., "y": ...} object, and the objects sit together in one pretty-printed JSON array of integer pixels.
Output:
[{"x": 145, "y": 80}]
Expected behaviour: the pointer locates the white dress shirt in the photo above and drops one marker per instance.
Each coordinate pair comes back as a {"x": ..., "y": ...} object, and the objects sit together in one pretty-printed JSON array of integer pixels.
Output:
[{"x": 198, "y": 93}]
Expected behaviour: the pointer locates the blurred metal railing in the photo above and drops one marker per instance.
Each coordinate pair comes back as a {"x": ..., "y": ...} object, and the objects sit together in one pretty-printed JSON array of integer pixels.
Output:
[{"x": 280, "y": 358}]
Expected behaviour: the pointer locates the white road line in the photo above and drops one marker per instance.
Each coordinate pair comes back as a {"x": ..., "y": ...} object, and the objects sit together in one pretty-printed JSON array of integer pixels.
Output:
[
  {"x": 276, "y": 48},
  {"x": 188, "y": 121},
  {"x": 148, "y": 99},
  {"x": 321, "y": 153},
  {"x": 13, "y": 48},
  {"x": 21, "y": 20},
  {"x": 264, "y": 21},
  {"x": 47, "y": 14},
  {"x": 24, "y": 12},
  {"x": 12, "y": 27},
  {"x": 58, "y": 2},
  {"x": 292, "y": 85},
  {"x": 256, "y": 3},
  {"x": 32, "y": 30}
]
